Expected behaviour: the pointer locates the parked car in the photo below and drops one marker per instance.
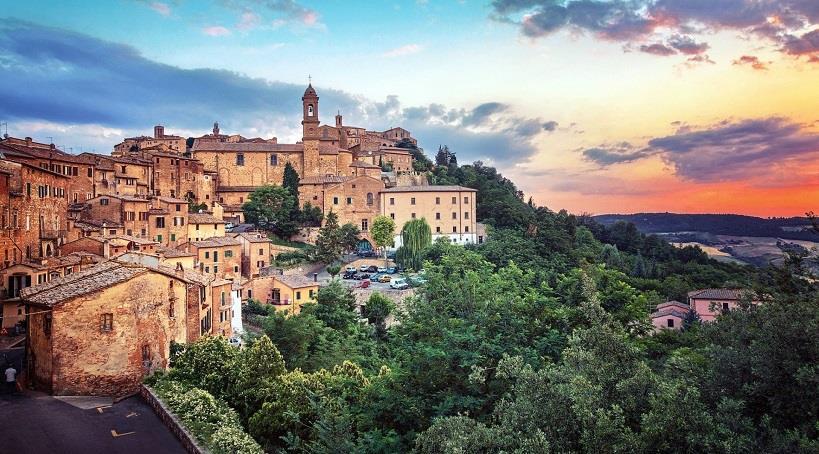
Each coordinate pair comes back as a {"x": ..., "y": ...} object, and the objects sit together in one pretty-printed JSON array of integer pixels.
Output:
[
  {"x": 372, "y": 269},
  {"x": 364, "y": 276},
  {"x": 391, "y": 255},
  {"x": 399, "y": 283},
  {"x": 364, "y": 253},
  {"x": 382, "y": 269},
  {"x": 416, "y": 281},
  {"x": 363, "y": 284},
  {"x": 349, "y": 268},
  {"x": 384, "y": 278},
  {"x": 235, "y": 341},
  {"x": 349, "y": 274},
  {"x": 364, "y": 268},
  {"x": 392, "y": 270}
]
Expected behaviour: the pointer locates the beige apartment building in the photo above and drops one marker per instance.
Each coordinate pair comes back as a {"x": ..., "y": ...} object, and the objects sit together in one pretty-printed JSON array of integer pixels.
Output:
[{"x": 449, "y": 210}]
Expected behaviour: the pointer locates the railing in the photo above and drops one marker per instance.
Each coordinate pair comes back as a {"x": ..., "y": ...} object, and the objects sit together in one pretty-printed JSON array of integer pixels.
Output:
[
  {"x": 280, "y": 302},
  {"x": 51, "y": 234}
]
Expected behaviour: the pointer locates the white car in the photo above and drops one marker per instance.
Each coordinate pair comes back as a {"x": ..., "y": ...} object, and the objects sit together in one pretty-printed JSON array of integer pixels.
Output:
[
  {"x": 350, "y": 268},
  {"x": 382, "y": 269},
  {"x": 399, "y": 283},
  {"x": 235, "y": 341},
  {"x": 363, "y": 268}
]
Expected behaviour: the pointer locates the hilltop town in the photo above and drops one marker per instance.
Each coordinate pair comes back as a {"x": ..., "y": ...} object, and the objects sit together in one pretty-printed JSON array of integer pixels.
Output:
[{"x": 159, "y": 226}]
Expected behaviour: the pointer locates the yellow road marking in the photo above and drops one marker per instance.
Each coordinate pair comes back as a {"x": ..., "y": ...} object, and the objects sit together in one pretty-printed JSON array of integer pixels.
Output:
[{"x": 115, "y": 434}]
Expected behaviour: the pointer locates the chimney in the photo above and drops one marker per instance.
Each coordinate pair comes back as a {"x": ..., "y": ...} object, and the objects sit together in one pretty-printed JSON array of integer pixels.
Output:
[
  {"x": 159, "y": 132},
  {"x": 28, "y": 141},
  {"x": 315, "y": 277},
  {"x": 53, "y": 147},
  {"x": 179, "y": 271}
]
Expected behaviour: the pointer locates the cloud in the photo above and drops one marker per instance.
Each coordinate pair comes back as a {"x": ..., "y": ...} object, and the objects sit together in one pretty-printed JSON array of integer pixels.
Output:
[
  {"x": 754, "y": 149},
  {"x": 248, "y": 21},
  {"x": 216, "y": 30},
  {"x": 606, "y": 155},
  {"x": 161, "y": 8},
  {"x": 402, "y": 51},
  {"x": 752, "y": 61},
  {"x": 641, "y": 21},
  {"x": 549, "y": 125},
  {"x": 687, "y": 45},
  {"x": 90, "y": 93},
  {"x": 807, "y": 44},
  {"x": 286, "y": 11},
  {"x": 658, "y": 49}
]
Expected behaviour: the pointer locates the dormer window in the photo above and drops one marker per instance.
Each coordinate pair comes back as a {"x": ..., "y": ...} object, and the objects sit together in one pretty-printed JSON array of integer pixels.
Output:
[{"x": 309, "y": 110}]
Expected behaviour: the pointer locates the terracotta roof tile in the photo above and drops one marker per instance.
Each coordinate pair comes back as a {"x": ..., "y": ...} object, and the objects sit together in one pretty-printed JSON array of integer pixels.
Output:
[{"x": 204, "y": 218}]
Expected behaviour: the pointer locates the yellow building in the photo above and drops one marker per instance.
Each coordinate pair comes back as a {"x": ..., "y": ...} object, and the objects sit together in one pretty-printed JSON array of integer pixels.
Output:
[
  {"x": 285, "y": 293},
  {"x": 219, "y": 256},
  {"x": 202, "y": 226},
  {"x": 449, "y": 210}
]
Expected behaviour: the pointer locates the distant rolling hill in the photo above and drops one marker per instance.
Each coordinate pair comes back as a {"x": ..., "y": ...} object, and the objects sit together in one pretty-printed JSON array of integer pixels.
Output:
[{"x": 796, "y": 228}]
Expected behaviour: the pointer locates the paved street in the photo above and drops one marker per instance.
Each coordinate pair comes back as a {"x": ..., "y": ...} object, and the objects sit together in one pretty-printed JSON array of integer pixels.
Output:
[{"x": 38, "y": 423}]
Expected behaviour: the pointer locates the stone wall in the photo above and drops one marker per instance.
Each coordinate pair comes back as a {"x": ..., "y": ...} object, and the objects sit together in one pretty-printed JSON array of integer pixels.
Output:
[{"x": 169, "y": 419}]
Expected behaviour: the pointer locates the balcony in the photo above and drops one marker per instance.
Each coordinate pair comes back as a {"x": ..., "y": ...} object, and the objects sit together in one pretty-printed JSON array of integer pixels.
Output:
[
  {"x": 284, "y": 302},
  {"x": 51, "y": 234}
]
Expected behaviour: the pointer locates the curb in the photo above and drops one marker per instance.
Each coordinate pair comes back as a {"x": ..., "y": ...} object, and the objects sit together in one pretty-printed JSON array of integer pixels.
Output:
[{"x": 173, "y": 424}]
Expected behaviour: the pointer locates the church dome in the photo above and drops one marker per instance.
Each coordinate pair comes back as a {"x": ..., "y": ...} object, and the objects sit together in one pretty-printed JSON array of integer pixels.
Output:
[{"x": 310, "y": 91}]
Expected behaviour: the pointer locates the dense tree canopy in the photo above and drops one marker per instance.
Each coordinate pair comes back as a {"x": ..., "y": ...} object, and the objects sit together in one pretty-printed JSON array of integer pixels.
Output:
[{"x": 537, "y": 340}]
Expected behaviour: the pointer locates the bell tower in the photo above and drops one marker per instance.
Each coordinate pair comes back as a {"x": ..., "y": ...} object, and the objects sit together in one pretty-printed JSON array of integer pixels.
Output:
[
  {"x": 311, "y": 164},
  {"x": 310, "y": 121}
]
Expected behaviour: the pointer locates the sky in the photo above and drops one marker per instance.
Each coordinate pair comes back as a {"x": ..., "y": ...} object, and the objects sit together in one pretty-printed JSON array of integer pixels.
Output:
[{"x": 595, "y": 106}]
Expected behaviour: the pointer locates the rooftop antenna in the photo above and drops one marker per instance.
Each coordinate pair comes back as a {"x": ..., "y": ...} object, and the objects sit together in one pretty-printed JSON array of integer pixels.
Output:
[
  {"x": 50, "y": 139},
  {"x": 6, "y": 125}
]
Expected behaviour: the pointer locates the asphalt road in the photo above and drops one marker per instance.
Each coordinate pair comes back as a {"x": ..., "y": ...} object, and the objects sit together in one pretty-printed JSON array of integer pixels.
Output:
[{"x": 38, "y": 423}]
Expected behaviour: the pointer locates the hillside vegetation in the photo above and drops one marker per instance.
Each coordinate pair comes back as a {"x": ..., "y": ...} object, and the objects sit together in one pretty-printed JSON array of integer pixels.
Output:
[{"x": 536, "y": 341}]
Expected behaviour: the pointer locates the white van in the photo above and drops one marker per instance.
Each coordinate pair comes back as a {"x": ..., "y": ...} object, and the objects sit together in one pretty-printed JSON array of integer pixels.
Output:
[{"x": 399, "y": 283}]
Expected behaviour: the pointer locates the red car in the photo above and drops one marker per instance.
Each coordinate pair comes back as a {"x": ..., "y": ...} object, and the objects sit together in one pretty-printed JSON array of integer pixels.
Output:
[{"x": 363, "y": 284}]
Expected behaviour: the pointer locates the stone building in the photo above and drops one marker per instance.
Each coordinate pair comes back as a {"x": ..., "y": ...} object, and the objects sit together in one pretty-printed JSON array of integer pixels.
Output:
[
  {"x": 102, "y": 330},
  {"x": 177, "y": 176},
  {"x": 322, "y": 159},
  {"x": 18, "y": 276},
  {"x": 257, "y": 252},
  {"x": 449, "y": 210},
  {"x": 79, "y": 169},
  {"x": 353, "y": 199},
  {"x": 175, "y": 144},
  {"x": 217, "y": 256},
  {"x": 35, "y": 222}
]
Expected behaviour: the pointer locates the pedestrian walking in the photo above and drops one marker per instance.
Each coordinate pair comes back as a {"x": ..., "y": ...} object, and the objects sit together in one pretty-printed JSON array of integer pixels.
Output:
[{"x": 11, "y": 380}]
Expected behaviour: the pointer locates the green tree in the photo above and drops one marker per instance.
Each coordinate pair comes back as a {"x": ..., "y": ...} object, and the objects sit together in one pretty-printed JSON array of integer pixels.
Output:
[
  {"x": 311, "y": 216},
  {"x": 271, "y": 207},
  {"x": 290, "y": 180},
  {"x": 329, "y": 242},
  {"x": 416, "y": 237},
  {"x": 377, "y": 310},
  {"x": 335, "y": 306},
  {"x": 350, "y": 234},
  {"x": 383, "y": 233},
  {"x": 333, "y": 270}
]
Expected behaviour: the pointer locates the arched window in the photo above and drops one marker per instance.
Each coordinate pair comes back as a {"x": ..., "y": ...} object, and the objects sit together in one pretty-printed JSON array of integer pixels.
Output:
[
  {"x": 274, "y": 160},
  {"x": 369, "y": 198},
  {"x": 309, "y": 110}
]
